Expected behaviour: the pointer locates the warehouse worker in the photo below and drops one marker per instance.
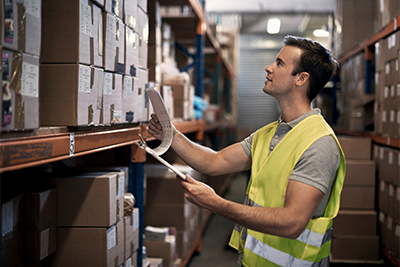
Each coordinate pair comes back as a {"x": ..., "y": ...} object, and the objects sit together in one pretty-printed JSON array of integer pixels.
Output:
[{"x": 297, "y": 168}]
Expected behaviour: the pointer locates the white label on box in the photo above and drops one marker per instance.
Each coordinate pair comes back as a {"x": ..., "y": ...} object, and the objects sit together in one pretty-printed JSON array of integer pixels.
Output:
[
  {"x": 84, "y": 79},
  {"x": 391, "y": 190},
  {"x": 382, "y": 186},
  {"x": 111, "y": 28},
  {"x": 111, "y": 237},
  {"x": 121, "y": 183},
  {"x": 135, "y": 220},
  {"x": 44, "y": 243},
  {"x": 397, "y": 231},
  {"x": 128, "y": 262},
  {"x": 390, "y": 157},
  {"x": 381, "y": 217},
  {"x": 381, "y": 153},
  {"x": 376, "y": 78},
  {"x": 30, "y": 80},
  {"x": 387, "y": 69},
  {"x": 386, "y": 92},
  {"x": 100, "y": 91},
  {"x": 117, "y": 116},
  {"x": 382, "y": 5},
  {"x": 32, "y": 7},
  {"x": 128, "y": 87},
  {"x": 108, "y": 80},
  {"x": 392, "y": 112},
  {"x": 384, "y": 116},
  {"x": 7, "y": 218},
  {"x": 389, "y": 223},
  {"x": 392, "y": 91},
  {"x": 85, "y": 15},
  {"x": 186, "y": 210}
]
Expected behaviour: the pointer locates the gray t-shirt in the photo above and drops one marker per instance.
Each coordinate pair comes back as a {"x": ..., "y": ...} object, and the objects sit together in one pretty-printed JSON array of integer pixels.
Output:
[{"x": 318, "y": 164}]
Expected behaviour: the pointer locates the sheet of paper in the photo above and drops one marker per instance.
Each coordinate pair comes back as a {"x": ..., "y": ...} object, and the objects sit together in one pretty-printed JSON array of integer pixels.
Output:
[{"x": 163, "y": 117}]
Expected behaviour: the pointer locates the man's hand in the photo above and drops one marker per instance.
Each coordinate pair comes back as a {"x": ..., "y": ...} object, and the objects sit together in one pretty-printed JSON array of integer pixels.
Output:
[
  {"x": 199, "y": 193},
  {"x": 155, "y": 128}
]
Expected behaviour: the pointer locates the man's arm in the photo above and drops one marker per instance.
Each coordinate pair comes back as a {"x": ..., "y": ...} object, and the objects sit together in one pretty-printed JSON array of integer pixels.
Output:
[
  {"x": 290, "y": 221},
  {"x": 201, "y": 158}
]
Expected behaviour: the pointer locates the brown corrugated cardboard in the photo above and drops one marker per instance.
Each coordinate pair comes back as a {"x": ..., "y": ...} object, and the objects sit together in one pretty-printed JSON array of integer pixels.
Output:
[
  {"x": 355, "y": 147},
  {"x": 394, "y": 202},
  {"x": 112, "y": 99},
  {"x": 349, "y": 247},
  {"x": 103, "y": 247},
  {"x": 131, "y": 52},
  {"x": 386, "y": 11},
  {"x": 358, "y": 197},
  {"x": 114, "y": 45},
  {"x": 40, "y": 224},
  {"x": 20, "y": 91},
  {"x": 124, "y": 169},
  {"x": 115, "y": 7},
  {"x": 166, "y": 215},
  {"x": 155, "y": 23},
  {"x": 22, "y": 26},
  {"x": 72, "y": 33},
  {"x": 130, "y": 13},
  {"x": 355, "y": 222},
  {"x": 131, "y": 261},
  {"x": 71, "y": 94},
  {"x": 360, "y": 172},
  {"x": 129, "y": 99},
  {"x": 12, "y": 231},
  {"x": 90, "y": 199},
  {"x": 396, "y": 239},
  {"x": 383, "y": 196},
  {"x": 162, "y": 249},
  {"x": 131, "y": 230},
  {"x": 182, "y": 243},
  {"x": 143, "y": 30}
]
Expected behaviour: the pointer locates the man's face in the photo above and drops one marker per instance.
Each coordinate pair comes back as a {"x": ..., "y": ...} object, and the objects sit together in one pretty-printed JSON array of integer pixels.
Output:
[{"x": 280, "y": 80}]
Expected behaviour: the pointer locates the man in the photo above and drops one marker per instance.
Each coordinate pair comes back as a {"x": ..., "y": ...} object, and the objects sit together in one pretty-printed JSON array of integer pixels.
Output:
[{"x": 297, "y": 168}]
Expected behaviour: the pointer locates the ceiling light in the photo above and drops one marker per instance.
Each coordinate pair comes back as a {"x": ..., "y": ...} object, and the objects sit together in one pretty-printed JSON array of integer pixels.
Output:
[
  {"x": 274, "y": 25},
  {"x": 321, "y": 33}
]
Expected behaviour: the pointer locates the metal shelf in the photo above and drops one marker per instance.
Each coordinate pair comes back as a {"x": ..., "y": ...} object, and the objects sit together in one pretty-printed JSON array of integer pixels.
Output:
[{"x": 376, "y": 138}]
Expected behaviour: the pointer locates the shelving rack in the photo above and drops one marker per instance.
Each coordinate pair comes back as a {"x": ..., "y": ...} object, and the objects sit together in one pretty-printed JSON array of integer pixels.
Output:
[
  {"x": 26, "y": 149},
  {"x": 367, "y": 46}
]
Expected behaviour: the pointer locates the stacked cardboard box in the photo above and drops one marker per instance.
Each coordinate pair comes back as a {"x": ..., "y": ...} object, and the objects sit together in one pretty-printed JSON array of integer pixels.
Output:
[
  {"x": 167, "y": 207},
  {"x": 90, "y": 215},
  {"x": 388, "y": 163},
  {"x": 20, "y": 23},
  {"x": 97, "y": 54},
  {"x": 354, "y": 229}
]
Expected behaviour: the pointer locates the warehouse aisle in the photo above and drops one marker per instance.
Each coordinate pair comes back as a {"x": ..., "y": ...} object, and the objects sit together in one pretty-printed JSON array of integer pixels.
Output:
[{"x": 214, "y": 250}]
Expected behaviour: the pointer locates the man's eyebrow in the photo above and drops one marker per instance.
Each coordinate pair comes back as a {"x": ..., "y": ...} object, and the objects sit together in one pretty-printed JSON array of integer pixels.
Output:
[{"x": 280, "y": 60}]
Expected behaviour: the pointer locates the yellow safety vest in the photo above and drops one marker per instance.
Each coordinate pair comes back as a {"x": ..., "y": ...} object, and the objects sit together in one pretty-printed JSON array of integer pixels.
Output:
[{"x": 267, "y": 188}]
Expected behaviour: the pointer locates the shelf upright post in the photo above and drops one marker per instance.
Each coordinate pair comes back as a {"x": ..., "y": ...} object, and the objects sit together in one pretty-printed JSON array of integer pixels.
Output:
[
  {"x": 199, "y": 59},
  {"x": 136, "y": 187}
]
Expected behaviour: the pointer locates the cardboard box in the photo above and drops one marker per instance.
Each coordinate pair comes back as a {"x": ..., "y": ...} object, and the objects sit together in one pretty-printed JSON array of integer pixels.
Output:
[
  {"x": 73, "y": 91},
  {"x": 12, "y": 231},
  {"x": 23, "y": 26},
  {"x": 143, "y": 29},
  {"x": 355, "y": 147},
  {"x": 167, "y": 215},
  {"x": 355, "y": 222},
  {"x": 380, "y": 58},
  {"x": 162, "y": 185},
  {"x": 40, "y": 224},
  {"x": 142, "y": 95},
  {"x": 131, "y": 52},
  {"x": 394, "y": 202},
  {"x": 132, "y": 261},
  {"x": 90, "y": 199},
  {"x": 386, "y": 10},
  {"x": 131, "y": 230},
  {"x": 155, "y": 23},
  {"x": 87, "y": 246},
  {"x": 142, "y": 4},
  {"x": 115, "y": 7},
  {"x": 360, "y": 172},
  {"x": 396, "y": 239},
  {"x": 124, "y": 169},
  {"x": 129, "y": 99},
  {"x": 182, "y": 243},
  {"x": 114, "y": 45},
  {"x": 162, "y": 249},
  {"x": 358, "y": 197},
  {"x": 99, "y": 2},
  {"x": 20, "y": 91},
  {"x": 130, "y": 13},
  {"x": 348, "y": 247},
  {"x": 112, "y": 99},
  {"x": 72, "y": 33},
  {"x": 383, "y": 196}
]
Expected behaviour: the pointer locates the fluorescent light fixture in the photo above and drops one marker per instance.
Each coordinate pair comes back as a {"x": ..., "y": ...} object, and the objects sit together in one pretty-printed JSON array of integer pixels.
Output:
[
  {"x": 321, "y": 33},
  {"x": 274, "y": 25}
]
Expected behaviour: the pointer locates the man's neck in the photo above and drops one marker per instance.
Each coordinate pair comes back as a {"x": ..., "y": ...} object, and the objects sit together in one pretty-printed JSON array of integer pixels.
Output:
[{"x": 290, "y": 113}]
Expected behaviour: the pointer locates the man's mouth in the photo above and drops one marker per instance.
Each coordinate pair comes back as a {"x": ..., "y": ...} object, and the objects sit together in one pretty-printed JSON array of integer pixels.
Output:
[{"x": 269, "y": 80}]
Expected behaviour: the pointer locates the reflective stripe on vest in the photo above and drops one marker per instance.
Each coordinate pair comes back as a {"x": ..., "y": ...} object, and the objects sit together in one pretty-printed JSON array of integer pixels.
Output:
[{"x": 279, "y": 257}]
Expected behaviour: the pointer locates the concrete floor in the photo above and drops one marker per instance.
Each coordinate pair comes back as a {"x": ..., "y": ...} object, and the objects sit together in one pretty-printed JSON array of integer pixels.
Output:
[{"x": 216, "y": 252}]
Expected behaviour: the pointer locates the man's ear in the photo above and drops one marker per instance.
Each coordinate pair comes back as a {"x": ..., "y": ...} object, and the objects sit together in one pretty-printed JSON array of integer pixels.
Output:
[{"x": 303, "y": 78}]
